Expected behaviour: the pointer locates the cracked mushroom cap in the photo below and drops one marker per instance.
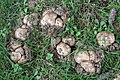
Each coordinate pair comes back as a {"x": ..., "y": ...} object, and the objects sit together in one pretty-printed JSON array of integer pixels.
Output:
[
  {"x": 13, "y": 44},
  {"x": 53, "y": 17},
  {"x": 105, "y": 38},
  {"x": 21, "y": 34},
  {"x": 88, "y": 67},
  {"x": 21, "y": 55},
  {"x": 63, "y": 49},
  {"x": 16, "y": 56},
  {"x": 70, "y": 41}
]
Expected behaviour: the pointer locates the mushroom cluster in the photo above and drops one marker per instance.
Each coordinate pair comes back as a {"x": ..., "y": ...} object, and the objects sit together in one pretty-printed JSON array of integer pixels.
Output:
[
  {"x": 88, "y": 61},
  {"x": 53, "y": 20},
  {"x": 21, "y": 53},
  {"x": 63, "y": 48}
]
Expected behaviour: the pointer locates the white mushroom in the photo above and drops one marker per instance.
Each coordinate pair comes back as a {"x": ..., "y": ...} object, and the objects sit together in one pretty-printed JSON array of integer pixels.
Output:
[
  {"x": 63, "y": 49},
  {"x": 70, "y": 41},
  {"x": 21, "y": 34},
  {"x": 105, "y": 38},
  {"x": 88, "y": 67}
]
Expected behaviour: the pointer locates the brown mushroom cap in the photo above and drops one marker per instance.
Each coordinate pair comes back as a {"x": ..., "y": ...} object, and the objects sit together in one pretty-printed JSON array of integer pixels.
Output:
[
  {"x": 105, "y": 38},
  {"x": 21, "y": 34},
  {"x": 70, "y": 41},
  {"x": 88, "y": 67},
  {"x": 63, "y": 49}
]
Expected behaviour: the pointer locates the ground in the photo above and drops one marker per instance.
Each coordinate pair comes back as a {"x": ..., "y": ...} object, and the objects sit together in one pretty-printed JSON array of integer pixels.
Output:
[{"x": 86, "y": 19}]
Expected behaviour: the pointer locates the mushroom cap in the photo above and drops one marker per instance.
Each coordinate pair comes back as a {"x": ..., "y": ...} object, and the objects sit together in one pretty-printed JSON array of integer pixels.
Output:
[
  {"x": 22, "y": 60},
  {"x": 21, "y": 34},
  {"x": 63, "y": 49},
  {"x": 105, "y": 38},
  {"x": 86, "y": 56},
  {"x": 88, "y": 67},
  {"x": 49, "y": 18},
  {"x": 59, "y": 22},
  {"x": 31, "y": 19},
  {"x": 81, "y": 56},
  {"x": 16, "y": 56},
  {"x": 14, "y": 45},
  {"x": 70, "y": 41},
  {"x": 25, "y": 19}
]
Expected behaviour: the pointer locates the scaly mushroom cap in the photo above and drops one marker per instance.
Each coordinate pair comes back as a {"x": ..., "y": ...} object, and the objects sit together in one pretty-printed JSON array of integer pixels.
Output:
[
  {"x": 105, "y": 38},
  {"x": 70, "y": 41},
  {"x": 88, "y": 67},
  {"x": 21, "y": 34},
  {"x": 63, "y": 49}
]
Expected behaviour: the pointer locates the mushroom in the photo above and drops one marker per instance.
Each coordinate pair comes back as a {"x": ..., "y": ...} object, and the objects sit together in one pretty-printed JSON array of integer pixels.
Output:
[
  {"x": 88, "y": 59},
  {"x": 16, "y": 56},
  {"x": 21, "y": 55},
  {"x": 49, "y": 19},
  {"x": 63, "y": 49},
  {"x": 69, "y": 40},
  {"x": 31, "y": 19},
  {"x": 32, "y": 4},
  {"x": 53, "y": 18},
  {"x": 105, "y": 38},
  {"x": 14, "y": 44},
  {"x": 21, "y": 34},
  {"x": 88, "y": 67},
  {"x": 55, "y": 41}
]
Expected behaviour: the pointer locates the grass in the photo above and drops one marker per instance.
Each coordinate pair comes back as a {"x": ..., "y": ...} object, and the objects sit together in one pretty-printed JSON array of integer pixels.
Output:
[{"x": 87, "y": 18}]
